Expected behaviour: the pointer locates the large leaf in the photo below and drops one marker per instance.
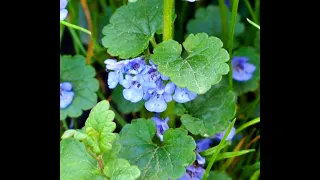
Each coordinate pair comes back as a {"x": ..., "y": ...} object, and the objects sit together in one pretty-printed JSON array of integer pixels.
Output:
[
  {"x": 156, "y": 162},
  {"x": 124, "y": 105},
  {"x": 208, "y": 20},
  {"x": 131, "y": 27},
  {"x": 210, "y": 113},
  {"x": 100, "y": 127},
  {"x": 203, "y": 67},
  {"x": 76, "y": 163},
  {"x": 75, "y": 71},
  {"x": 253, "y": 83}
]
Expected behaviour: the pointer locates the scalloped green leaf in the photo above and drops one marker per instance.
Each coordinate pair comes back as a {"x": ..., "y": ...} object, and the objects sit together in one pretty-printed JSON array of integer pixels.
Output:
[
  {"x": 208, "y": 20},
  {"x": 76, "y": 163},
  {"x": 131, "y": 27},
  {"x": 124, "y": 105},
  {"x": 100, "y": 127},
  {"x": 252, "y": 84},
  {"x": 203, "y": 67},
  {"x": 216, "y": 175},
  {"x": 75, "y": 71},
  {"x": 121, "y": 169},
  {"x": 156, "y": 162},
  {"x": 211, "y": 112}
]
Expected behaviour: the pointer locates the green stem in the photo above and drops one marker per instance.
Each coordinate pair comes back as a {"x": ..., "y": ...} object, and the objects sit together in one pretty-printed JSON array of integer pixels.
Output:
[
  {"x": 100, "y": 162},
  {"x": 77, "y": 41},
  {"x": 168, "y": 11},
  {"x": 118, "y": 118},
  {"x": 153, "y": 42},
  {"x": 224, "y": 20},
  {"x": 234, "y": 14},
  {"x": 182, "y": 19},
  {"x": 253, "y": 15},
  {"x": 75, "y": 27},
  {"x": 253, "y": 24},
  {"x": 124, "y": 2},
  {"x": 143, "y": 113},
  {"x": 247, "y": 124},
  {"x": 257, "y": 9},
  {"x": 75, "y": 123},
  {"x": 112, "y": 5},
  {"x": 61, "y": 33},
  {"x": 65, "y": 125},
  {"x": 103, "y": 4},
  {"x": 169, "y": 112},
  {"x": 215, "y": 155}
]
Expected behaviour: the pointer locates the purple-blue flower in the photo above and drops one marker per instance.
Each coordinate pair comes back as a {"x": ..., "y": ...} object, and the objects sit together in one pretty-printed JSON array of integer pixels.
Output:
[
  {"x": 161, "y": 126},
  {"x": 135, "y": 66},
  {"x": 200, "y": 160},
  {"x": 182, "y": 95},
  {"x": 230, "y": 136},
  {"x": 193, "y": 173},
  {"x": 241, "y": 69},
  {"x": 66, "y": 94},
  {"x": 228, "y": 3},
  {"x": 156, "y": 103},
  {"x": 63, "y": 10},
  {"x": 203, "y": 144},
  {"x": 143, "y": 81}
]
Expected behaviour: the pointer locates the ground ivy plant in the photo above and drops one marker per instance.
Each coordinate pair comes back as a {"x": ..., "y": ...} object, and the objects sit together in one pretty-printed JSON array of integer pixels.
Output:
[{"x": 136, "y": 103}]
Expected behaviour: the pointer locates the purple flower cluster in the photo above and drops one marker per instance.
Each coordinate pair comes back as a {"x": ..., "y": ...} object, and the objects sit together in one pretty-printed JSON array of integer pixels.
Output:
[
  {"x": 241, "y": 69},
  {"x": 66, "y": 94},
  {"x": 63, "y": 10},
  {"x": 161, "y": 125},
  {"x": 143, "y": 81}
]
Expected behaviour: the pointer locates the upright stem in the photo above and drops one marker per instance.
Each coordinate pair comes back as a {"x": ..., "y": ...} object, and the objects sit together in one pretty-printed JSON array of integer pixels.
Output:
[
  {"x": 224, "y": 20},
  {"x": 231, "y": 35},
  {"x": 168, "y": 12}
]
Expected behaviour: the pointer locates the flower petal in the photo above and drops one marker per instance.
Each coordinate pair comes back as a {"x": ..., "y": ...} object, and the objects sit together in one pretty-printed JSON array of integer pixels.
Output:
[{"x": 63, "y": 14}]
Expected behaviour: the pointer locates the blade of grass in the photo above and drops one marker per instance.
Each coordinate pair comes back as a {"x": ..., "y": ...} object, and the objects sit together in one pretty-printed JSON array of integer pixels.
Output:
[
  {"x": 77, "y": 41},
  {"x": 75, "y": 27},
  {"x": 255, "y": 175},
  {"x": 211, "y": 151},
  {"x": 247, "y": 124},
  {"x": 234, "y": 14},
  {"x": 229, "y": 161},
  {"x": 257, "y": 9},
  {"x": 232, "y": 155},
  {"x": 253, "y": 15},
  {"x": 253, "y": 24},
  {"x": 216, "y": 153}
]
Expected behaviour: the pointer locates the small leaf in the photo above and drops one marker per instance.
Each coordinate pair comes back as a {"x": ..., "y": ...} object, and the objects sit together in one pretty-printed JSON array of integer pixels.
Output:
[
  {"x": 156, "y": 162},
  {"x": 208, "y": 20},
  {"x": 179, "y": 109},
  {"x": 75, "y": 71},
  {"x": 203, "y": 67},
  {"x": 131, "y": 27},
  {"x": 121, "y": 169},
  {"x": 124, "y": 105},
  {"x": 76, "y": 163},
  {"x": 99, "y": 125},
  {"x": 73, "y": 133},
  {"x": 216, "y": 175},
  {"x": 252, "y": 84},
  {"x": 113, "y": 154},
  {"x": 210, "y": 113}
]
